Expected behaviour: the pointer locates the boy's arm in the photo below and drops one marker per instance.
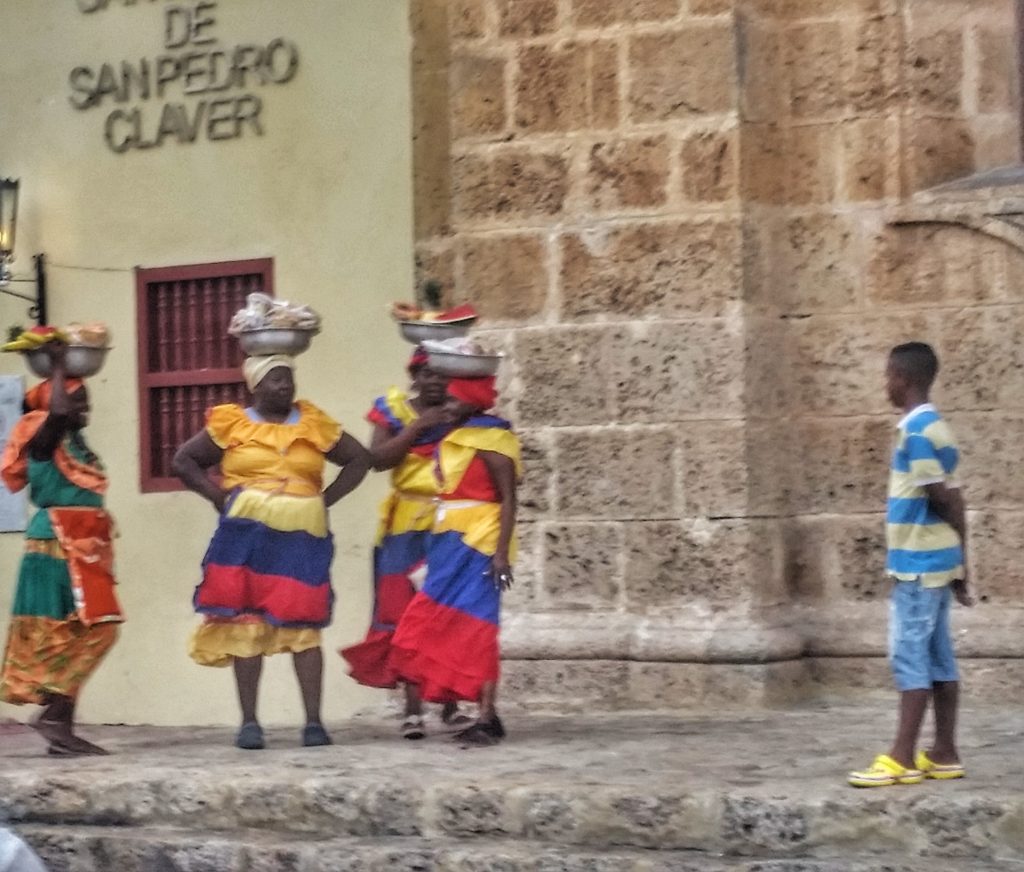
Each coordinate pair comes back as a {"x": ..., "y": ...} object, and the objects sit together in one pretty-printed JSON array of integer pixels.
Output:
[{"x": 948, "y": 503}]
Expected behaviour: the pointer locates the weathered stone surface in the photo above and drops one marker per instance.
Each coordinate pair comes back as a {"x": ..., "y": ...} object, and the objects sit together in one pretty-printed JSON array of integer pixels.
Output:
[
  {"x": 436, "y": 262},
  {"x": 838, "y": 558},
  {"x": 998, "y": 572},
  {"x": 563, "y": 377},
  {"x": 997, "y": 71},
  {"x": 982, "y": 359},
  {"x": 806, "y": 264},
  {"x": 987, "y": 455},
  {"x": 790, "y": 165},
  {"x": 927, "y": 265},
  {"x": 509, "y": 183},
  {"x": 842, "y": 464},
  {"x": 936, "y": 150},
  {"x": 664, "y": 268},
  {"x": 526, "y": 18},
  {"x": 477, "y": 94},
  {"x": 714, "y": 458},
  {"x": 711, "y": 7},
  {"x": 468, "y": 19},
  {"x": 524, "y": 593},
  {"x": 538, "y": 465},
  {"x": 709, "y": 162},
  {"x": 712, "y": 563},
  {"x": 762, "y": 98},
  {"x": 872, "y": 72},
  {"x": 869, "y": 156},
  {"x": 680, "y": 74},
  {"x": 504, "y": 274},
  {"x": 570, "y": 86},
  {"x": 935, "y": 70},
  {"x": 628, "y": 174},
  {"x": 837, "y": 363},
  {"x": 582, "y": 566},
  {"x": 813, "y": 67},
  {"x": 603, "y": 13},
  {"x": 616, "y": 473},
  {"x": 673, "y": 371}
]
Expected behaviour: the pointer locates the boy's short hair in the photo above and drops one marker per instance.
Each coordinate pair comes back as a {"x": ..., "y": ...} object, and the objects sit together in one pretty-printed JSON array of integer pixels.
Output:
[{"x": 917, "y": 361}]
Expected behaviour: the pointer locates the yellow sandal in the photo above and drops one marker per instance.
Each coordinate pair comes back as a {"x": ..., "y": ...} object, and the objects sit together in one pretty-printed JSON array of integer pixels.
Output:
[
  {"x": 885, "y": 772},
  {"x": 938, "y": 771}
]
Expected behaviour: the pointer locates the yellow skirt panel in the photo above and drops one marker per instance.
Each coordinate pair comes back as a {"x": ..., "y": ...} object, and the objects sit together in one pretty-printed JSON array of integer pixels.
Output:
[
  {"x": 281, "y": 511},
  {"x": 217, "y": 643}
]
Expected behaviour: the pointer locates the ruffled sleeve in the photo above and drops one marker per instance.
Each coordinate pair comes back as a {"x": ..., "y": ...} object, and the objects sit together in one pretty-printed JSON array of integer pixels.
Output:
[
  {"x": 317, "y": 427},
  {"x": 221, "y": 422},
  {"x": 14, "y": 463}
]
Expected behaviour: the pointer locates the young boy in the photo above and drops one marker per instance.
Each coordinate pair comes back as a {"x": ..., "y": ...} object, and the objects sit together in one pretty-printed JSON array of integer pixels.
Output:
[{"x": 926, "y": 532}]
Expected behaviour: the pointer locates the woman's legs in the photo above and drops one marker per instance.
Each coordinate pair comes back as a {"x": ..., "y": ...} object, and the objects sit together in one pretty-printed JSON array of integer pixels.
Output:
[
  {"x": 247, "y": 677},
  {"x": 309, "y": 668},
  {"x": 55, "y": 723}
]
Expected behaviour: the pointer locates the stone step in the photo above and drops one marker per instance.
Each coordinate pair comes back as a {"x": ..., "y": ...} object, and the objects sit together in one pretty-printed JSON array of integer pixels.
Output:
[
  {"x": 763, "y": 784},
  {"x": 162, "y": 849}
]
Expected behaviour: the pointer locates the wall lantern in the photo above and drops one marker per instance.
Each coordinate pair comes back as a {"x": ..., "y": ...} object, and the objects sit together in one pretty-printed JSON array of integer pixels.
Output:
[{"x": 8, "y": 224}]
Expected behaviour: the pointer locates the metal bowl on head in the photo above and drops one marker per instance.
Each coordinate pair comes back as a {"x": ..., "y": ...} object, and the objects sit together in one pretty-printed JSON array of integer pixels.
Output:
[
  {"x": 417, "y": 332},
  {"x": 80, "y": 361},
  {"x": 275, "y": 340},
  {"x": 464, "y": 365}
]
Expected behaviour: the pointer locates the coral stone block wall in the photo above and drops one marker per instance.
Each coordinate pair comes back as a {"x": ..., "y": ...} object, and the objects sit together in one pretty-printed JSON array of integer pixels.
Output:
[{"x": 674, "y": 215}]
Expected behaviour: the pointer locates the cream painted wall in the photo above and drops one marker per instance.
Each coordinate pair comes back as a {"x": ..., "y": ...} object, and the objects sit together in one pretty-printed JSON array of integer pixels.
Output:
[{"x": 326, "y": 192}]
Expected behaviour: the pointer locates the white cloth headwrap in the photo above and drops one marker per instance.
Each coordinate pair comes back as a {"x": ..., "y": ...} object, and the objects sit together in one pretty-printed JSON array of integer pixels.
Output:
[{"x": 255, "y": 368}]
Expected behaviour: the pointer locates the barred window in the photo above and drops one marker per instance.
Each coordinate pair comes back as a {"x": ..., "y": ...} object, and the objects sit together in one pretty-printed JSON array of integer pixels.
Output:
[{"x": 187, "y": 361}]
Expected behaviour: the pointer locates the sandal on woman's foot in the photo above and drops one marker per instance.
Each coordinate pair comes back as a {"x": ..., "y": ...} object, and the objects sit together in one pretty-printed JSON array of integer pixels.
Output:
[
  {"x": 453, "y": 719},
  {"x": 250, "y": 737},
  {"x": 413, "y": 727},
  {"x": 314, "y": 735},
  {"x": 77, "y": 745},
  {"x": 938, "y": 771},
  {"x": 483, "y": 732}
]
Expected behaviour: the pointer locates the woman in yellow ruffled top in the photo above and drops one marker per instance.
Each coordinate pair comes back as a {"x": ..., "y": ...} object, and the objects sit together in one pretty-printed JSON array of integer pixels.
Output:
[{"x": 266, "y": 575}]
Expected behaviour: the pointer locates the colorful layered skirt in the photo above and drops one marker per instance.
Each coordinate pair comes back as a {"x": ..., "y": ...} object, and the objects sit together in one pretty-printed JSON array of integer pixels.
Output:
[
  {"x": 65, "y": 614},
  {"x": 447, "y": 638},
  {"x": 266, "y": 585},
  {"x": 399, "y": 567}
]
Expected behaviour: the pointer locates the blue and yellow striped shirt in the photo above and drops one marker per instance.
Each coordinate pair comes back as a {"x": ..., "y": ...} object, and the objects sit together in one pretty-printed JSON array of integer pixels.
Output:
[{"x": 922, "y": 545}]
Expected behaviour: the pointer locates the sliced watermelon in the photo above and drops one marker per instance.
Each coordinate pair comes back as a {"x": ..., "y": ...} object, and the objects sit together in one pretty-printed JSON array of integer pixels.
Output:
[{"x": 464, "y": 312}]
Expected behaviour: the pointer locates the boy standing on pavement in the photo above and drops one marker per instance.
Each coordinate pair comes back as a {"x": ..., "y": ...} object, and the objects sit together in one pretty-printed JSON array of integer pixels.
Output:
[{"x": 926, "y": 532}]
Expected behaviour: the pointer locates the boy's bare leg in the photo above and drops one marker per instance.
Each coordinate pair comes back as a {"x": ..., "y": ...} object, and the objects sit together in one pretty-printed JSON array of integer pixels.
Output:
[
  {"x": 913, "y": 705},
  {"x": 946, "y": 695}
]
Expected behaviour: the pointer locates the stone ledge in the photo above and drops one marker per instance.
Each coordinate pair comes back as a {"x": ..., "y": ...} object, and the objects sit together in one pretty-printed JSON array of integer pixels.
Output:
[
  {"x": 749, "y": 784},
  {"x": 103, "y": 849}
]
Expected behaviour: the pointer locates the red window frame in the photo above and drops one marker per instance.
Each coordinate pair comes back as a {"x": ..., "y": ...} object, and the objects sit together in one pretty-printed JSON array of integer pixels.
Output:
[{"x": 152, "y": 378}]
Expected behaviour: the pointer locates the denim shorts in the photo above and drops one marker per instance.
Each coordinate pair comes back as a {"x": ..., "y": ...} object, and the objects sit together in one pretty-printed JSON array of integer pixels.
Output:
[{"x": 920, "y": 643}]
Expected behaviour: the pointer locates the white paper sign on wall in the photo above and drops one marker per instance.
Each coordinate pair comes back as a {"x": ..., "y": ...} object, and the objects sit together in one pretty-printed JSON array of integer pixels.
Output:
[{"x": 13, "y": 507}]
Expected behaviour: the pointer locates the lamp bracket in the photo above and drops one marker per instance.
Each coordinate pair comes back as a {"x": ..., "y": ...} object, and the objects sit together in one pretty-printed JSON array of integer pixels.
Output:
[{"x": 37, "y": 310}]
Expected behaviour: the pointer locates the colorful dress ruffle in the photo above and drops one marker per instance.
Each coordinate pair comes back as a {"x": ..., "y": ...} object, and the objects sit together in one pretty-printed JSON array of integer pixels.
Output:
[
  {"x": 447, "y": 639},
  {"x": 266, "y": 585},
  {"x": 400, "y": 550},
  {"x": 65, "y": 614}
]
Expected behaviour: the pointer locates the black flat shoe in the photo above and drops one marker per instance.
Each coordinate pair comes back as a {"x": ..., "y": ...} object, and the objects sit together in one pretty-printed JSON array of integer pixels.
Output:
[
  {"x": 250, "y": 737},
  {"x": 314, "y": 735}
]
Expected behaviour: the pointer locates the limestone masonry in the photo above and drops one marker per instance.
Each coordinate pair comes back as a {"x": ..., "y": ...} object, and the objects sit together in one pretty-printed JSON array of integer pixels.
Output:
[{"x": 698, "y": 226}]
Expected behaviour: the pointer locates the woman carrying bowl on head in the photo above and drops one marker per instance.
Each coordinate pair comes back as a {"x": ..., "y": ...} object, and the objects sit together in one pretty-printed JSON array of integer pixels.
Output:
[
  {"x": 447, "y": 640},
  {"x": 406, "y": 431},
  {"x": 65, "y": 614},
  {"x": 266, "y": 575}
]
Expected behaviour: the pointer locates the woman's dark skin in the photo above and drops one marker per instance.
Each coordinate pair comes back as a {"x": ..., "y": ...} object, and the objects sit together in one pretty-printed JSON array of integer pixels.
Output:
[
  {"x": 273, "y": 400},
  {"x": 388, "y": 451},
  {"x": 68, "y": 414}
]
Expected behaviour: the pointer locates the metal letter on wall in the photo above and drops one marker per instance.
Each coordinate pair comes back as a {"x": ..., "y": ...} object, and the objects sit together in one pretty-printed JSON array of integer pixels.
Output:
[{"x": 13, "y": 507}]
